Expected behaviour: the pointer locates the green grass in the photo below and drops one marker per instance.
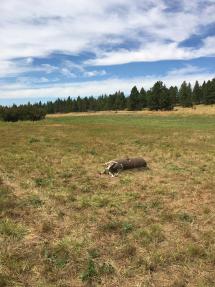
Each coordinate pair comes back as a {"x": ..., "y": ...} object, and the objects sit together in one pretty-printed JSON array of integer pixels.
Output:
[
  {"x": 9, "y": 228},
  {"x": 63, "y": 224}
]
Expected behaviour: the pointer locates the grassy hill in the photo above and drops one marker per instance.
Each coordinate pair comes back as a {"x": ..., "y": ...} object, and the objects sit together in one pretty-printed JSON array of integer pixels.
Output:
[{"x": 62, "y": 224}]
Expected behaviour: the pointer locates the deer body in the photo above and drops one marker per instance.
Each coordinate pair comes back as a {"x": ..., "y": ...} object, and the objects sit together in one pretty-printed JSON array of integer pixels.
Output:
[{"x": 113, "y": 167}]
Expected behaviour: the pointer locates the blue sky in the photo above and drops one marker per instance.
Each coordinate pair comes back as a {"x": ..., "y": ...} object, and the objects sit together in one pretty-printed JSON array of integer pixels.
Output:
[{"x": 64, "y": 48}]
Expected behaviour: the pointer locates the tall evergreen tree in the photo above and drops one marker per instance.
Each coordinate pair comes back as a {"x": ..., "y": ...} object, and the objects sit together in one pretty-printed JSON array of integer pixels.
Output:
[
  {"x": 204, "y": 89},
  {"x": 142, "y": 99},
  {"x": 120, "y": 102},
  {"x": 133, "y": 101},
  {"x": 185, "y": 95},
  {"x": 159, "y": 98},
  {"x": 173, "y": 92},
  {"x": 166, "y": 100},
  {"x": 154, "y": 96},
  {"x": 209, "y": 92},
  {"x": 74, "y": 106},
  {"x": 197, "y": 94}
]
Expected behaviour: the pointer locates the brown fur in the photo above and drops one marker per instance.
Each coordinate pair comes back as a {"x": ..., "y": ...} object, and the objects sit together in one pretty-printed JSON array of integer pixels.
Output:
[{"x": 116, "y": 166}]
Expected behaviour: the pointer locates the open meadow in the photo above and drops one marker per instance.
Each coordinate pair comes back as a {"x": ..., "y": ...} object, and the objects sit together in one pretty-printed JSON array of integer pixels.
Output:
[{"x": 62, "y": 224}]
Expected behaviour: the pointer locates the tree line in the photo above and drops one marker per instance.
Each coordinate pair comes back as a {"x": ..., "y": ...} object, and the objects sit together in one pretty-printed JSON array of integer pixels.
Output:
[
  {"x": 159, "y": 97},
  {"x": 27, "y": 112}
]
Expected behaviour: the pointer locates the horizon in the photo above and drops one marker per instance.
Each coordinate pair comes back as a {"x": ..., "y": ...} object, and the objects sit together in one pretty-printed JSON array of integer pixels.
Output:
[
  {"x": 24, "y": 101},
  {"x": 50, "y": 52}
]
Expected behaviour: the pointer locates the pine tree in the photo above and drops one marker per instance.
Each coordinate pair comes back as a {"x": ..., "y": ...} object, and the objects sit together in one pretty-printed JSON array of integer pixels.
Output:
[
  {"x": 133, "y": 101},
  {"x": 209, "y": 92},
  {"x": 159, "y": 98},
  {"x": 197, "y": 94},
  {"x": 185, "y": 95},
  {"x": 166, "y": 100},
  {"x": 154, "y": 95},
  {"x": 173, "y": 92},
  {"x": 119, "y": 101},
  {"x": 142, "y": 99},
  {"x": 111, "y": 102}
]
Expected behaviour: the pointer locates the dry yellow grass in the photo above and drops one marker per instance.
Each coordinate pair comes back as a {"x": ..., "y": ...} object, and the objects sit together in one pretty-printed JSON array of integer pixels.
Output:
[
  {"x": 61, "y": 224},
  {"x": 196, "y": 110}
]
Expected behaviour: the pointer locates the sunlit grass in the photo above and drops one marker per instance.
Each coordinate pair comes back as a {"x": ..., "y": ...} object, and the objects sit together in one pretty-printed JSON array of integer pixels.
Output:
[{"x": 63, "y": 224}]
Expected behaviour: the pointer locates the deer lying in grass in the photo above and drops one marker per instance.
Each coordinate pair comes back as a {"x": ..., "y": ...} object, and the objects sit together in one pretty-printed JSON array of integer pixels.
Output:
[{"x": 114, "y": 167}]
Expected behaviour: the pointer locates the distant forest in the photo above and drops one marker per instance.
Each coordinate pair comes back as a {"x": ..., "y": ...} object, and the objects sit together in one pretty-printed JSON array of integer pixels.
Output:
[{"x": 159, "y": 97}]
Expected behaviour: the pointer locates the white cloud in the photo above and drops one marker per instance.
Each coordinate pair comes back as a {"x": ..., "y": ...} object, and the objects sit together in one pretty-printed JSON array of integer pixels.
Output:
[
  {"x": 37, "y": 28},
  {"x": 67, "y": 73},
  {"x": 186, "y": 70},
  {"x": 47, "y": 68},
  {"x": 29, "y": 81},
  {"x": 12, "y": 68},
  {"x": 90, "y": 74},
  {"x": 96, "y": 88},
  {"x": 155, "y": 51},
  {"x": 66, "y": 68}
]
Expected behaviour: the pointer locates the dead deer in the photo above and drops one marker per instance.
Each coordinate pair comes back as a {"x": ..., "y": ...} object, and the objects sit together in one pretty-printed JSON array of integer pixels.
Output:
[{"x": 114, "y": 167}]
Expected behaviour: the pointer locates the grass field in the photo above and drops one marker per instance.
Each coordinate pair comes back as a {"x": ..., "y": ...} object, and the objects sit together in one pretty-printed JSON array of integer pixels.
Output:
[{"x": 64, "y": 225}]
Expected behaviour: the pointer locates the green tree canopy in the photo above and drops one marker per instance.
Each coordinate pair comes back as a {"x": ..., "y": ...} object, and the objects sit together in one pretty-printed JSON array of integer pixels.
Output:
[
  {"x": 133, "y": 103},
  {"x": 185, "y": 95}
]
